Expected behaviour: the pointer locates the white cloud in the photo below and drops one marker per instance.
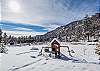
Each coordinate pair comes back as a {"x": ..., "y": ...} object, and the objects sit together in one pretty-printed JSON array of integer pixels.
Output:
[
  {"x": 19, "y": 33},
  {"x": 24, "y": 29},
  {"x": 52, "y": 27},
  {"x": 1, "y": 24}
]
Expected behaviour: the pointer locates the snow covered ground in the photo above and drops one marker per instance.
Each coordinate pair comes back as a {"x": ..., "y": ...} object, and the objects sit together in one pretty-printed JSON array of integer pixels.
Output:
[{"x": 24, "y": 59}]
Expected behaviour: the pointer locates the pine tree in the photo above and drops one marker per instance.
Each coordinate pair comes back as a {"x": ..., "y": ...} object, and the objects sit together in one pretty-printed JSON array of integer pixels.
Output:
[
  {"x": 87, "y": 27},
  {"x": 0, "y": 35},
  {"x": 5, "y": 38}
]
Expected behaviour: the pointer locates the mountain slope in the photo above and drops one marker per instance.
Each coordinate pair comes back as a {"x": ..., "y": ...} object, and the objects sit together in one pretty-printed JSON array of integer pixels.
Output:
[{"x": 85, "y": 29}]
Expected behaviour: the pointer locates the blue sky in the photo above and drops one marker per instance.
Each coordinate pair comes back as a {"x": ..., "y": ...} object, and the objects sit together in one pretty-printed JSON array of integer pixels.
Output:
[
  {"x": 40, "y": 16},
  {"x": 22, "y": 27}
]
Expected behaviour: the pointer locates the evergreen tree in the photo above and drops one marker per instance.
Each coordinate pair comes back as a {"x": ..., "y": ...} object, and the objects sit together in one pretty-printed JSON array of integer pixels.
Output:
[
  {"x": 5, "y": 38},
  {"x": 87, "y": 27},
  {"x": 0, "y": 35}
]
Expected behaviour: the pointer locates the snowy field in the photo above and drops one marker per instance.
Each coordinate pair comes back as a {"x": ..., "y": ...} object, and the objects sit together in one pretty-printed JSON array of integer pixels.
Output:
[{"x": 24, "y": 59}]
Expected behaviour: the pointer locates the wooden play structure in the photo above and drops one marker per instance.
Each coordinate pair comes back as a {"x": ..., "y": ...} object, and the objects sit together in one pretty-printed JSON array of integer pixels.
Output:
[{"x": 54, "y": 48}]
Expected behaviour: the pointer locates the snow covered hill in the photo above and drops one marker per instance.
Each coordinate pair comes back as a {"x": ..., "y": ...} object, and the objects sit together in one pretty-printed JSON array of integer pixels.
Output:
[{"x": 24, "y": 59}]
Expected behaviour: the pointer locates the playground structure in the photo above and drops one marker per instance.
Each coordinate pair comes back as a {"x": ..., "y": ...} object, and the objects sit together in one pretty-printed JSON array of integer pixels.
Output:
[{"x": 55, "y": 49}]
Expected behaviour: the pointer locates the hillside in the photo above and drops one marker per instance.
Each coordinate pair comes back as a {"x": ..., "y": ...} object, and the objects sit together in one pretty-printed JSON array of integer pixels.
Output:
[{"x": 87, "y": 29}]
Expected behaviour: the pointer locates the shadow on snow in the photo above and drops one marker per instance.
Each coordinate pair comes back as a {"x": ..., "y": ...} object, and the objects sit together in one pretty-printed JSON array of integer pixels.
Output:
[{"x": 75, "y": 59}]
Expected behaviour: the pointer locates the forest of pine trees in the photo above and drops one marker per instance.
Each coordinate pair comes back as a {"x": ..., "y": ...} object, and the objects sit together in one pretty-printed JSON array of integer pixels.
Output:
[{"x": 4, "y": 38}]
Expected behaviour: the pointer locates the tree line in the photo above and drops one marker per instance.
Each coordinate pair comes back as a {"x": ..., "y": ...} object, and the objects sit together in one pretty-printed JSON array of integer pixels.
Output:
[{"x": 4, "y": 38}]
